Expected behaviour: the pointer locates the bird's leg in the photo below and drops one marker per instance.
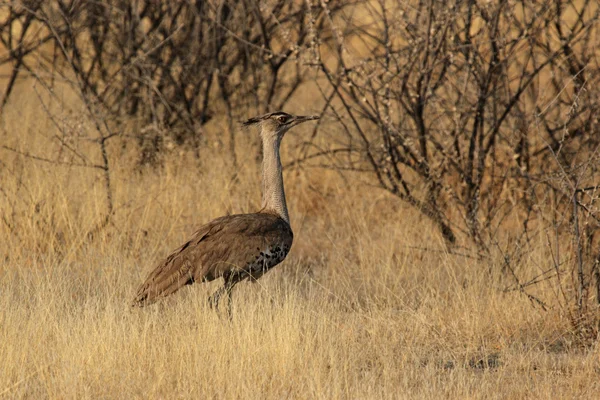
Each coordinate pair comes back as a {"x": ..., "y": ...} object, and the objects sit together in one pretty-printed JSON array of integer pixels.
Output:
[
  {"x": 213, "y": 300},
  {"x": 230, "y": 281},
  {"x": 229, "y": 307}
]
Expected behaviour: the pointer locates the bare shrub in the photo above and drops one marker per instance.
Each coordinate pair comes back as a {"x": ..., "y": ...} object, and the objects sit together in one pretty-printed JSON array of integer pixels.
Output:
[
  {"x": 477, "y": 114},
  {"x": 168, "y": 65},
  {"x": 457, "y": 102}
]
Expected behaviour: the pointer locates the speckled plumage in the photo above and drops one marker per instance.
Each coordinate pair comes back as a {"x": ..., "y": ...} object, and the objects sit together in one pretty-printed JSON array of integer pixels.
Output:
[{"x": 234, "y": 247}]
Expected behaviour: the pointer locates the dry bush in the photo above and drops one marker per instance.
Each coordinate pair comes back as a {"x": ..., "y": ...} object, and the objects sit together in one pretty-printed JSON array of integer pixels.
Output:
[
  {"x": 457, "y": 103},
  {"x": 482, "y": 116},
  {"x": 158, "y": 69}
]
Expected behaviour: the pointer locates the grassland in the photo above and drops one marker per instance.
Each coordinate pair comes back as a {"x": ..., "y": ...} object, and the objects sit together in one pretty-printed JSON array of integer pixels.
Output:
[{"x": 368, "y": 305}]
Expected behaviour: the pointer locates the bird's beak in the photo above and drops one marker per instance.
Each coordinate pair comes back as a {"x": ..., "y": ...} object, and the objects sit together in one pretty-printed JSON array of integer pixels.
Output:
[{"x": 303, "y": 118}]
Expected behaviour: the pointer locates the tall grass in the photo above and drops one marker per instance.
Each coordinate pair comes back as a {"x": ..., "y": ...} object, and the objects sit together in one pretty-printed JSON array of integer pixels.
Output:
[{"x": 367, "y": 305}]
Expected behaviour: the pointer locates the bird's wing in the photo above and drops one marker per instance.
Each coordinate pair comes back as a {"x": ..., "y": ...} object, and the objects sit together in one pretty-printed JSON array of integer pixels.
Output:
[{"x": 228, "y": 244}]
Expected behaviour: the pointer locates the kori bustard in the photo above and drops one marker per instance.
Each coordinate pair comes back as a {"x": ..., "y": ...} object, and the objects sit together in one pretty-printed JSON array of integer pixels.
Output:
[{"x": 235, "y": 247}]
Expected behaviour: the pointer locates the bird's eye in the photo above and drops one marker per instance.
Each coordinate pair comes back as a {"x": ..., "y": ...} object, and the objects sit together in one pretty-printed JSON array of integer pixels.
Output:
[{"x": 283, "y": 119}]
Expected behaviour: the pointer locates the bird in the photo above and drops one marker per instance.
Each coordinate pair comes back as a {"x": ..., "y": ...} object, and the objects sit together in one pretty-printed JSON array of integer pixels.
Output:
[{"x": 234, "y": 247}]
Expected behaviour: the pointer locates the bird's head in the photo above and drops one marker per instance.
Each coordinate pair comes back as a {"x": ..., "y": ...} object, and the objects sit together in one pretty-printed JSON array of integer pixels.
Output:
[{"x": 276, "y": 124}]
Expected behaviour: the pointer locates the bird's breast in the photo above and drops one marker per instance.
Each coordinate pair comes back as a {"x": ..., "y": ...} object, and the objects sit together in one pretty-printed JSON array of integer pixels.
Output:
[{"x": 267, "y": 258}]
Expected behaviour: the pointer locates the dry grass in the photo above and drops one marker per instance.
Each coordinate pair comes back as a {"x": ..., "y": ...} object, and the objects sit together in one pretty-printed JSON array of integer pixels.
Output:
[{"x": 354, "y": 312}]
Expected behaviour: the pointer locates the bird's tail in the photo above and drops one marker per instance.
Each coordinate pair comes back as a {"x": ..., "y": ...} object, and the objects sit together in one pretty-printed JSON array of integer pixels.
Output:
[
  {"x": 150, "y": 292},
  {"x": 167, "y": 278}
]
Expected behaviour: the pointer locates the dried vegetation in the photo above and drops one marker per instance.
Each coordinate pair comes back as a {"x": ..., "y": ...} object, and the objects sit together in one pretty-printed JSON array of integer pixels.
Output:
[{"x": 445, "y": 207}]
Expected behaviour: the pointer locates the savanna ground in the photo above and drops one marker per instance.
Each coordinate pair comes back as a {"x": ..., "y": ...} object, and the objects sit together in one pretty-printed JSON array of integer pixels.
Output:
[{"x": 367, "y": 305}]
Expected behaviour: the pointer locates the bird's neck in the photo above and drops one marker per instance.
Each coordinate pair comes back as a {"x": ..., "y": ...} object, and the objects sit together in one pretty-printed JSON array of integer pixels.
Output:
[{"x": 273, "y": 199}]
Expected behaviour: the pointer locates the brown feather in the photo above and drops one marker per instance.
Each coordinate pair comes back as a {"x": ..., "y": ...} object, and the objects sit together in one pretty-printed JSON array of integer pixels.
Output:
[{"x": 245, "y": 244}]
